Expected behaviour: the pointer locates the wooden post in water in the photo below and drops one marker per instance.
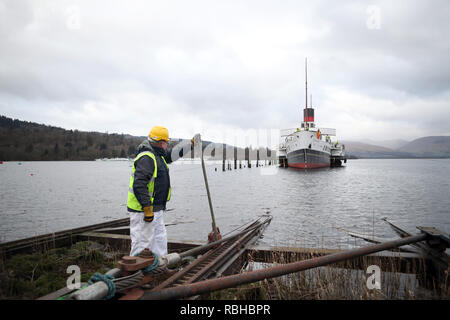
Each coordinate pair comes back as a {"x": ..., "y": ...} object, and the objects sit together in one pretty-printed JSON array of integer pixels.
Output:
[
  {"x": 223, "y": 157},
  {"x": 247, "y": 157},
  {"x": 235, "y": 158},
  {"x": 257, "y": 158}
]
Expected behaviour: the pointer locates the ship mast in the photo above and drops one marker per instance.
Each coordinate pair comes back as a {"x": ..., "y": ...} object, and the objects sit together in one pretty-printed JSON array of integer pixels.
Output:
[
  {"x": 305, "y": 118},
  {"x": 308, "y": 112}
]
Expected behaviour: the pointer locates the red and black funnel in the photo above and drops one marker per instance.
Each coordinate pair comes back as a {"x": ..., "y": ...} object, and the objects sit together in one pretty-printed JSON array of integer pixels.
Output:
[{"x": 308, "y": 115}]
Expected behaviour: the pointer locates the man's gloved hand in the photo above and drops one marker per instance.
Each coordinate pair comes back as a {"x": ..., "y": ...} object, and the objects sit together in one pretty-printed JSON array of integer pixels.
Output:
[
  {"x": 195, "y": 139},
  {"x": 148, "y": 214}
]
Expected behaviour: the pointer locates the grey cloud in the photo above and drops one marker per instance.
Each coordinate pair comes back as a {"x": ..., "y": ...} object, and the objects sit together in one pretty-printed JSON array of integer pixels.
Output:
[
  {"x": 214, "y": 60},
  {"x": 406, "y": 53}
]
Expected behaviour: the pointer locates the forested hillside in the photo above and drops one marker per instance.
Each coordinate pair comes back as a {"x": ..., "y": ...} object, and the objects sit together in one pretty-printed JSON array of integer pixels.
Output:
[
  {"x": 24, "y": 141},
  {"x": 29, "y": 141}
]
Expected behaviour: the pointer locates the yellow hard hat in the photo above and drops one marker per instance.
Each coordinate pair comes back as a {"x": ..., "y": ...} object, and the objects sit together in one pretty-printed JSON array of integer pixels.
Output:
[{"x": 159, "y": 133}]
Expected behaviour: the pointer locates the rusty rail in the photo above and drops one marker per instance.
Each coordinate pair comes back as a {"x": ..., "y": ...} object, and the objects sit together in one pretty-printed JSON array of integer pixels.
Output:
[
  {"x": 206, "y": 286},
  {"x": 204, "y": 248},
  {"x": 217, "y": 260}
]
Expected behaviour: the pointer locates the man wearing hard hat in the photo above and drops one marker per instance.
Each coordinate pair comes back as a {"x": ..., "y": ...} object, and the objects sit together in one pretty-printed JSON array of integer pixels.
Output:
[{"x": 148, "y": 192}]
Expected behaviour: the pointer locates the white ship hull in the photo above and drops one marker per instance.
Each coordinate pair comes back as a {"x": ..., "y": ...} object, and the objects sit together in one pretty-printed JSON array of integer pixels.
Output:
[{"x": 305, "y": 150}]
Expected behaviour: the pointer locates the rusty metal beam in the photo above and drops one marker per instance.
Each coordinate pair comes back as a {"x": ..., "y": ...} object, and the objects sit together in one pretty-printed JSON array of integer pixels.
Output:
[
  {"x": 217, "y": 260},
  {"x": 402, "y": 261},
  {"x": 115, "y": 241},
  {"x": 121, "y": 241},
  {"x": 53, "y": 240},
  {"x": 119, "y": 230},
  {"x": 258, "y": 275}
]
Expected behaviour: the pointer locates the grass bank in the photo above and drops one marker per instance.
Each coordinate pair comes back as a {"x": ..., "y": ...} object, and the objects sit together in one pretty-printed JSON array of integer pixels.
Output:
[{"x": 30, "y": 276}]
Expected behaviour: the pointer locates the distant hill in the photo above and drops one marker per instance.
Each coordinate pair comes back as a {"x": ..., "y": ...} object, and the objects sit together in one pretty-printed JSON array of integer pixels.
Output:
[
  {"x": 426, "y": 147},
  {"x": 364, "y": 150},
  {"x": 394, "y": 144},
  {"x": 434, "y": 146},
  {"x": 29, "y": 141}
]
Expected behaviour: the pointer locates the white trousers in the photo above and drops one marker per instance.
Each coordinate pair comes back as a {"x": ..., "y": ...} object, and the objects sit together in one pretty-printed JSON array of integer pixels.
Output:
[{"x": 150, "y": 235}]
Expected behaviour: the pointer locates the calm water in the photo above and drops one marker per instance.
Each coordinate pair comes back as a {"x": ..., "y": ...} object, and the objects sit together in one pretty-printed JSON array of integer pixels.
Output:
[{"x": 308, "y": 207}]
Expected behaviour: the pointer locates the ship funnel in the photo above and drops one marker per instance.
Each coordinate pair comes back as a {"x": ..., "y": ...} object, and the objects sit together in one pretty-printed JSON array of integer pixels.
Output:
[{"x": 308, "y": 115}]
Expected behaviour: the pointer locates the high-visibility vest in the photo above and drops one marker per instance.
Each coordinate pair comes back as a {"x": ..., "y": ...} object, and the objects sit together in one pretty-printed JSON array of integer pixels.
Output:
[{"x": 132, "y": 201}]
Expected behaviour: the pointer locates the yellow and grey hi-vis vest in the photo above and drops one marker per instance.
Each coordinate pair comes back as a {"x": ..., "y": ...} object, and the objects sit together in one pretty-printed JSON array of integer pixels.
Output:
[{"x": 132, "y": 201}]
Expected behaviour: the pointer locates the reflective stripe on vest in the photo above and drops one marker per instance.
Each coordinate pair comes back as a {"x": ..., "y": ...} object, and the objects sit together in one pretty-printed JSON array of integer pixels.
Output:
[
  {"x": 132, "y": 201},
  {"x": 170, "y": 189}
]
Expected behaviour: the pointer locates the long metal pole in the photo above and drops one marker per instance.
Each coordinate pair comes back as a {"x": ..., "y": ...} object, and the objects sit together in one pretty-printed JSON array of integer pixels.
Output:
[
  {"x": 200, "y": 249},
  {"x": 258, "y": 275},
  {"x": 199, "y": 142},
  {"x": 306, "y": 93}
]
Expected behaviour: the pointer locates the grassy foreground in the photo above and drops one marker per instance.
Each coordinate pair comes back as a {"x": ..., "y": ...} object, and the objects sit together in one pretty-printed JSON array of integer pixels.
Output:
[{"x": 30, "y": 276}]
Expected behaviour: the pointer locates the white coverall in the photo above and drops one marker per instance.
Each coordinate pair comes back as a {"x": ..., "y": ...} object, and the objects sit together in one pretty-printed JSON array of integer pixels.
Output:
[{"x": 150, "y": 235}]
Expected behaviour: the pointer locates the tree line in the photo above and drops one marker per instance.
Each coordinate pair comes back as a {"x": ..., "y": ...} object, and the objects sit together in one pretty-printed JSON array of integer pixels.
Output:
[{"x": 29, "y": 141}]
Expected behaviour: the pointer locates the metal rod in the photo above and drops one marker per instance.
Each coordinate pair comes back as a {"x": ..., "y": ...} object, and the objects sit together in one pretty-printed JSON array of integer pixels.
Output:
[
  {"x": 207, "y": 189},
  {"x": 198, "y": 250},
  {"x": 202, "y": 265},
  {"x": 258, "y": 275},
  {"x": 306, "y": 93}
]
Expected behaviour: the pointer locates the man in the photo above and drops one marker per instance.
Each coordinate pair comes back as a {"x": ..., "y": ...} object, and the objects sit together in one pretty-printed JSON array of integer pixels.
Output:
[{"x": 148, "y": 192}]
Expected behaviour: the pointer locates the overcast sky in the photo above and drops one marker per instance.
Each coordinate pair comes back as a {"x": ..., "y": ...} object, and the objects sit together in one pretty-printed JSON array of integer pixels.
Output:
[{"x": 377, "y": 70}]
